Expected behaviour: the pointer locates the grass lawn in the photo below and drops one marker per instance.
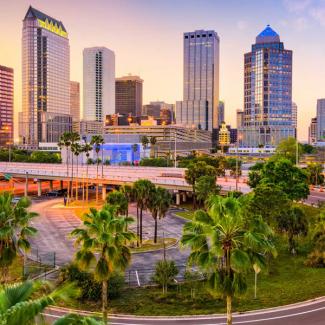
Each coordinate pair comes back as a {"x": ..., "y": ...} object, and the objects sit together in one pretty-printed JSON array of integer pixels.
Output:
[
  {"x": 288, "y": 281},
  {"x": 148, "y": 245},
  {"x": 185, "y": 214}
]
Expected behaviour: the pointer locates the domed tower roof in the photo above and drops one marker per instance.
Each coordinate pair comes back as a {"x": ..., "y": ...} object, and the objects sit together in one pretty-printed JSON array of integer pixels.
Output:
[{"x": 268, "y": 35}]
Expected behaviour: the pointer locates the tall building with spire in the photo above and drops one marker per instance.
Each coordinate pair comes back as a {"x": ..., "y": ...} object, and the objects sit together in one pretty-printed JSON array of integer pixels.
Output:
[
  {"x": 267, "y": 117},
  {"x": 199, "y": 107},
  {"x": 45, "y": 79}
]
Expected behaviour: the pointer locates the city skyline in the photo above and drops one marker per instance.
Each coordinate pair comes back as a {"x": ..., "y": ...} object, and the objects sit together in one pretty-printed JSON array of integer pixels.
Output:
[{"x": 114, "y": 25}]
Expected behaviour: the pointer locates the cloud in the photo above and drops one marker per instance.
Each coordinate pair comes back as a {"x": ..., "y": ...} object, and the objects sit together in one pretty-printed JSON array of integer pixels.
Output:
[
  {"x": 242, "y": 24},
  {"x": 297, "y": 5},
  {"x": 318, "y": 14},
  {"x": 300, "y": 23}
]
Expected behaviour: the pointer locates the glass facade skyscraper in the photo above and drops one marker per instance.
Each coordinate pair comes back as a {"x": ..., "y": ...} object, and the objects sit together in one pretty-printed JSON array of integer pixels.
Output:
[
  {"x": 6, "y": 106},
  {"x": 199, "y": 107},
  {"x": 267, "y": 115},
  {"x": 321, "y": 119},
  {"x": 45, "y": 79}
]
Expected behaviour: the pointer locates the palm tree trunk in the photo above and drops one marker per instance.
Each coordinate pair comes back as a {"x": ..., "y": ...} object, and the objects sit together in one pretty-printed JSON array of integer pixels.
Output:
[
  {"x": 77, "y": 180},
  {"x": 104, "y": 301},
  {"x": 156, "y": 230},
  {"x": 71, "y": 177},
  {"x": 141, "y": 211},
  {"x": 97, "y": 179},
  {"x": 229, "y": 313},
  {"x": 138, "y": 228},
  {"x": 87, "y": 192}
]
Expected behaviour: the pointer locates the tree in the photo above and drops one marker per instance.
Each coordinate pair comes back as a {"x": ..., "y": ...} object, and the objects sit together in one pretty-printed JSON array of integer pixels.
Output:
[
  {"x": 128, "y": 191},
  {"x": 269, "y": 201},
  {"x": 97, "y": 141},
  {"x": 225, "y": 244},
  {"x": 134, "y": 148},
  {"x": 281, "y": 172},
  {"x": 153, "y": 142},
  {"x": 255, "y": 174},
  {"x": 195, "y": 171},
  {"x": 206, "y": 186},
  {"x": 119, "y": 200},
  {"x": 76, "y": 149},
  {"x": 145, "y": 142},
  {"x": 287, "y": 148},
  {"x": 73, "y": 319},
  {"x": 294, "y": 222},
  {"x": 307, "y": 148},
  {"x": 234, "y": 165},
  {"x": 65, "y": 141},
  {"x": 87, "y": 148},
  {"x": 14, "y": 230},
  {"x": 143, "y": 190},
  {"x": 103, "y": 246},
  {"x": 315, "y": 173},
  {"x": 17, "y": 305},
  {"x": 74, "y": 138},
  {"x": 159, "y": 203},
  {"x": 165, "y": 273}
]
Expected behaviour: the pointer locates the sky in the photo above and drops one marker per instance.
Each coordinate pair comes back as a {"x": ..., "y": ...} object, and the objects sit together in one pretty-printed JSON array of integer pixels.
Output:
[{"x": 147, "y": 36}]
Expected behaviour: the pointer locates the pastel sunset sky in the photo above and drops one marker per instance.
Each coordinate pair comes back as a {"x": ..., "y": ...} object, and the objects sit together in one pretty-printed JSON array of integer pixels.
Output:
[{"x": 146, "y": 36}]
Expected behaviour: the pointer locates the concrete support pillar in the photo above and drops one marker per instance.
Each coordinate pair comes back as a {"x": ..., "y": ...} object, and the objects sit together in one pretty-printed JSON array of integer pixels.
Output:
[
  {"x": 104, "y": 192},
  {"x": 39, "y": 187},
  {"x": 26, "y": 185},
  {"x": 61, "y": 185},
  {"x": 184, "y": 196},
  {"x": 51, "y": 185},
  {"x": 178, "y": 199}
]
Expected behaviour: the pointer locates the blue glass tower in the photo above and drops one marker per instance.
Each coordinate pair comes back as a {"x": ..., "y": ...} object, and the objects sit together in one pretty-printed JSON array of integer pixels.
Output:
[{"x": 267, "y": 92}]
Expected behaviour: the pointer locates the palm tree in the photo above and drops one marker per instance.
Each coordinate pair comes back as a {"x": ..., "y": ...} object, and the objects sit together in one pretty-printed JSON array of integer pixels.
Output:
[
  {"x": 103, "y": 246},
  {"x": 206, "y": 186},
  {"x": 134, "y": 148},
  {"x": 153, "y": 142},
  {"x": 18, "y": 306},
  {"x": 128, "y": 191},
  {"x": 76, "y": 149},
  {"x": 65, "y": 141},
  {"x": 225, "y": 244},
  {"x": 145, "y": 142},
  {"x": 14, "y": 226},
  {"x": 74, "y": 138},
  {"x": 143, "y": 189},
  {"x": 159, "y": 203},
  {"x": 97, "y": 140},
  {"x": 119, "y": 200},
  {"x": 87, "y": 148}
]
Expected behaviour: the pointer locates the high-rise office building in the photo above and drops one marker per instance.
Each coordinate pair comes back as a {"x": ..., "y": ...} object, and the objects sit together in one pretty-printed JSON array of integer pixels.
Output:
[
  {"x": 199, "y": 107},
  {"x": 45, "y": 79},
  {"x": 6, "y": 106},
  {"x": 128, "y": 95},
  {"x": 321, "y": 119},
  {"x": 98, "y": 83},
  {"x": 294, "y": 115},
  {"x": 239, "y": 118},
  {"x": 267, "y": 92},
  {"x": 221, "y": 113},
  {"x": 312, "y": 131},
  {"x": 75, "y": 100}
]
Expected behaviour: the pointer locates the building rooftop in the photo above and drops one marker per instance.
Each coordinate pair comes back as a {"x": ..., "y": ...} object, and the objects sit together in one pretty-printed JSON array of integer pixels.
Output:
[
  {"x": 129, "y": 78},
  {"x": 34, "y": 13},
  {"x": 268, "y": 35}
]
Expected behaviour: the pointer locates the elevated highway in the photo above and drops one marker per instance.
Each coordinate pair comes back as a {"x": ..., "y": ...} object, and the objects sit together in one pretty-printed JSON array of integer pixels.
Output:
[{"x": 167, "y": 177}]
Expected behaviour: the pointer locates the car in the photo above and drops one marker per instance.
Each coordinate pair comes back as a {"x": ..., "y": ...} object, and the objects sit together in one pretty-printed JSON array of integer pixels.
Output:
[
  {"x": 15, "y": 199},
  {"x": 62, "y": 192},
  {"x": 53, "y": 193}
]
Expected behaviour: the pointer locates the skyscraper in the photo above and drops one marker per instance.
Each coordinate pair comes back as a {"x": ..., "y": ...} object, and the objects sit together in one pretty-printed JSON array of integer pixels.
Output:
[
  {"x": 128, "y": 95},
  {"x": 312, "y": 131},
  {"x": 267, "y": 92},
  {"x": 239, "y": 118},
  {"x": 45, "y": 79},
  {"x": 221, "y": 113},
  {"x": 201, "y": 81},
  {"x": 75, "y": 101},
  {"x": 321, "y": 119},
  {"x": 6, "y": 106},
  {"x": 98, "y": 83}
]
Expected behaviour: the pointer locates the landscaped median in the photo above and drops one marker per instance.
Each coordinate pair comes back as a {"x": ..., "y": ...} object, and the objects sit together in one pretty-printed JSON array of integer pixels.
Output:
[{"x": 288, "y": 281}]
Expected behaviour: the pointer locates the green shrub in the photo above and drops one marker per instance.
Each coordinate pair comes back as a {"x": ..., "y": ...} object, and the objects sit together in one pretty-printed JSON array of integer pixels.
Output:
[
  {"x": 90, "y": 288},
  {"x": 156, "y": 162},
  {"x": 165, "y": 273}
]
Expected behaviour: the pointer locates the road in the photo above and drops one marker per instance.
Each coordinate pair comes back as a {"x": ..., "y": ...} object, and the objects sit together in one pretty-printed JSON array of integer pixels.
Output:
[
  {"x": 315, "y": 197},
  {"x": 308, "y": 313}
]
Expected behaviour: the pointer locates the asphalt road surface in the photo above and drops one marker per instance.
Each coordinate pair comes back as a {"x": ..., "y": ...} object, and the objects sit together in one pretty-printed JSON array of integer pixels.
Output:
[{"x": 308, "y": 313}]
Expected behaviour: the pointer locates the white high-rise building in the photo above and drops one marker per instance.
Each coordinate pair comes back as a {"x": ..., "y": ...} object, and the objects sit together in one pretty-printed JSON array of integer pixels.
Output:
[
  {"x": 98, "y": 83},
  {"x": 45, "y": 79},
  {"x": 199, "y": 107}
]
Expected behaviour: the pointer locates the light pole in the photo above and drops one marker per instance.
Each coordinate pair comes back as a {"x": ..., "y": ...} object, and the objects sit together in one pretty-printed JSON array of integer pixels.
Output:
[
  {"x": 238, "y": 138},
  {"x": 175, "y": 151}
]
